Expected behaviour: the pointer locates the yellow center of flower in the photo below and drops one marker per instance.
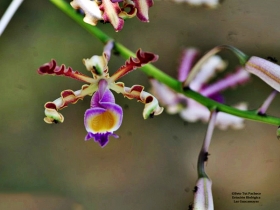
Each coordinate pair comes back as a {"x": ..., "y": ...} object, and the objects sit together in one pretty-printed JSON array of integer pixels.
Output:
[{"x": 103, "y": 122}]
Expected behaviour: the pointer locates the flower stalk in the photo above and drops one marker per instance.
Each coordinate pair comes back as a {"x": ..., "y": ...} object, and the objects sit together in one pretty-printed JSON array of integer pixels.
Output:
[
  {"x": 262, "y": 110},
  {"x": 174, "y": 84},
  {"x": 203, "y": 198}
]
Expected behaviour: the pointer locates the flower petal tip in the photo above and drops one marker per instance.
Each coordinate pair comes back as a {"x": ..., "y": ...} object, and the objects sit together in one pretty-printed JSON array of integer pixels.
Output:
[
  {"x": 268, "y": 71},
  {"x": 101, "y": 138},
  {"x": 52, "y": 115}
]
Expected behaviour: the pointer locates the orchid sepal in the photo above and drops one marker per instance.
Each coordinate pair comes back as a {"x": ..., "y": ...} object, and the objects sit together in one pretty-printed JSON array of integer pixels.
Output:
[
  {"x": 111, "y": 14},
  {"x": 132, "y": 63},
  {"x": 137, "y": 92},
  {"x": 52, "y": 68},
  {"x": 67, "y": 97},
  {"x": 52, "y": 115},
  {"x": 142, "y": 9},
  {"x": 91, "y": 9}
]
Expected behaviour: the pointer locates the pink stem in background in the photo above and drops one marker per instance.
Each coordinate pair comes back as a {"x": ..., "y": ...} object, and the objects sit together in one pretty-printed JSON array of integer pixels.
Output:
[
  {"x": 267, "y": 102},
  {"x": 9, "y": 14},
  {"x": 206, "y": 144}
]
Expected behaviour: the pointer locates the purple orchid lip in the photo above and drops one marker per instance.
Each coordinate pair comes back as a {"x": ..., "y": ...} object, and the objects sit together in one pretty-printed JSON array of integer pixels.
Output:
[
  {"x": 101, "y": 138},
  {"x": 104, "y": 117}
]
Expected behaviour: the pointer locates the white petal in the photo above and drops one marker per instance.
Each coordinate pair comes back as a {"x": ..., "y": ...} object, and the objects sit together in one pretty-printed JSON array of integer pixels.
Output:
[
  {"x": 90, "y": 8},
  {"x": 269, "y": 72},
  {"x": 208, "y": 70}
]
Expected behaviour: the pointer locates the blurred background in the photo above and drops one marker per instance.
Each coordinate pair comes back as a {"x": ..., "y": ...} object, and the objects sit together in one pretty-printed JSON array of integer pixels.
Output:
[{"x": 153, "y": 163}]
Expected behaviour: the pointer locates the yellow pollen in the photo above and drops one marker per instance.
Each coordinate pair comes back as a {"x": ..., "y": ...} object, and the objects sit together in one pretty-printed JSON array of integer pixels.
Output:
[{"x": 103, "y": 122}]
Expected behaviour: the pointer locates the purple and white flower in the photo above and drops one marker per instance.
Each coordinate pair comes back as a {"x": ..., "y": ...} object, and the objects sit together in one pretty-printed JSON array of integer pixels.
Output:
[
  {"x": 189, "y": 109},
  {"x": 104, "y": 116}
]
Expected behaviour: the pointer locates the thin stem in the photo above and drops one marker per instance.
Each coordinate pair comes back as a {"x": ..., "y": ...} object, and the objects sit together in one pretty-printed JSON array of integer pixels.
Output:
[
  {"x": 241, "y": 56},
  {"x": 172, "y": 83},
  {"x": 9, "y": 14},
  {"x": 267, "y": 102},
  {"x": 203, "y": 155}
]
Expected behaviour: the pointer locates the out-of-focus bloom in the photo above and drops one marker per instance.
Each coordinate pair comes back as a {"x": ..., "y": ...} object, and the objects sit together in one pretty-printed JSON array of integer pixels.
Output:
[
  {"x": 104, "y": 116},
  {"x": 208, "y": 3},
  {"x": 113, "y": 11},
  {"x": 189, "y": 109}
]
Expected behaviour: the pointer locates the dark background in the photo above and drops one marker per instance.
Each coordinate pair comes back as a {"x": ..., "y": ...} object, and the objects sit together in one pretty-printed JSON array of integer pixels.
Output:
[{"x": 153, "y": 163}]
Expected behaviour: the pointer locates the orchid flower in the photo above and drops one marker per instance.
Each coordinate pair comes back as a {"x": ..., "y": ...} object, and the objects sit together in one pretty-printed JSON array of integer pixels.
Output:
[
  {"x": 111, "y": 11},
  {"x": 208, "y": 3},
  {"x": 104, "y": 116},
  {"x": 189, "y": 109}
]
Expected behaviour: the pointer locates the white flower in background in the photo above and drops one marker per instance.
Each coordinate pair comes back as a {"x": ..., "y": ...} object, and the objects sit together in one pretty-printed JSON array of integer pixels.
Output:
[
  {"x": 208, "y": 3},
  {"x": 189, "y": 109}
]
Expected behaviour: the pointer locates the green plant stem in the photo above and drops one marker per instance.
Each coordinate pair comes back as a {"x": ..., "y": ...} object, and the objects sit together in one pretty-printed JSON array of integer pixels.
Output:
[{"x": 154, "y": 72}]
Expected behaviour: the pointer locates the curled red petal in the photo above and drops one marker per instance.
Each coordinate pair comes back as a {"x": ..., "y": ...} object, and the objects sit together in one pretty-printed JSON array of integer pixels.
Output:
[
  {"x": 53, "y": 69},
  {"x": 131, "y": 64},
  {"x": 137, "y": 92}
]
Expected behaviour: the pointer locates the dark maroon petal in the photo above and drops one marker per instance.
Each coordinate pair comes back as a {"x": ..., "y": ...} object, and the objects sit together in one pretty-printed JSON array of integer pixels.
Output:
[
  {"x": 52, "y": 69},
  {"x": 131, "y": 64}
]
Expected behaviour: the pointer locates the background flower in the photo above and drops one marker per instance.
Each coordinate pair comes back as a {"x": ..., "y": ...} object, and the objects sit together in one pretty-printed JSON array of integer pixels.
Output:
[{"x": 189, "y": 109}]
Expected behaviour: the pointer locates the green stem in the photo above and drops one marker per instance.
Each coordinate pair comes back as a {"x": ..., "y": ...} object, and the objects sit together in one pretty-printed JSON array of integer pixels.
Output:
[
  {"x": 68, "y": 10},
  {"x": 174, "y": 84}
]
